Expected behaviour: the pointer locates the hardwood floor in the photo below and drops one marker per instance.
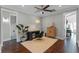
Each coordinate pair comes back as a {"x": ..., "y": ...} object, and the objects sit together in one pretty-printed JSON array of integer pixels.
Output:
[
  {"x": 70, "y": 45},
  {"x": 13, "y": 47},
  {"x": 58, "y": 47}
]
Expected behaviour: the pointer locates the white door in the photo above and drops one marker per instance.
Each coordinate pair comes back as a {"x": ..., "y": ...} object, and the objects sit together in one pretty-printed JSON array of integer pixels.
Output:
[{"x": 13, "y": 26}]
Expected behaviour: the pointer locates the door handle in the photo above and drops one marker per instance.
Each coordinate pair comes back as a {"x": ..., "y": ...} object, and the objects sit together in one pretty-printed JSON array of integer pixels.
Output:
[{"x": 13, "y": 30}]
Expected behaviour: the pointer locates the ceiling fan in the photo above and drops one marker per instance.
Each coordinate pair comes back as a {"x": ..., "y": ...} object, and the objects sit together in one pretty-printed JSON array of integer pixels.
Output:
[{"x": 44, "y": 9}]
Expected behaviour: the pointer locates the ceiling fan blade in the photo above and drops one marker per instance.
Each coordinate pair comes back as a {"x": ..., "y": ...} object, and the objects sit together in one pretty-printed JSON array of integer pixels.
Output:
[
  {"x": 50, "y": 10},
  {"x": 45, "y": 7}
]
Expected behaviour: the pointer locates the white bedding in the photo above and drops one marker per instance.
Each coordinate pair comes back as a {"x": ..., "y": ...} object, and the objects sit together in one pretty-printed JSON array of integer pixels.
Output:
[{"x": 39, "y": 46}]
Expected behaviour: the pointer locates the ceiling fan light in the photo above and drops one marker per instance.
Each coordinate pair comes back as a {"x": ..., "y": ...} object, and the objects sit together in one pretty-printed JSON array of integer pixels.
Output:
[{"x": 42, "y": 12}]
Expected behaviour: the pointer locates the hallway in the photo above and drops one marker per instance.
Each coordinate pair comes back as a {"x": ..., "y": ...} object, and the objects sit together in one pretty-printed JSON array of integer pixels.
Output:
[{"x": 70, "y": 44}]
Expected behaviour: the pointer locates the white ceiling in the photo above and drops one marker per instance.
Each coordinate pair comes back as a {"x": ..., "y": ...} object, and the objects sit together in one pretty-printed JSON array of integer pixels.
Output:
[{"x": 29, "y": 9}]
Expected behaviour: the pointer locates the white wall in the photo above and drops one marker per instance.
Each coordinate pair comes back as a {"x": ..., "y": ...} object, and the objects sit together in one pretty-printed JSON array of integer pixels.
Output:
[
  {"x": 46, "y": 22},
  {"x": 59, "y": 23},
  {"x": 77, "y": 26},
  {"x": 22, "y": 18},
  {"x": 27, "y": 20}
]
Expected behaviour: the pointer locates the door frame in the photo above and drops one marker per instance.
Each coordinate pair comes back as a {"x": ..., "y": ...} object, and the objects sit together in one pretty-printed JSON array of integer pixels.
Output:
[
  {"x": 65, "y": 15},
  {"x": 10, "y": 22},
  {"x": 11, "y": 12}
]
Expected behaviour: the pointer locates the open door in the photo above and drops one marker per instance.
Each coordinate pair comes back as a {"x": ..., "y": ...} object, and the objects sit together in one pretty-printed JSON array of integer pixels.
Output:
[{"x": 70, "y": 26}]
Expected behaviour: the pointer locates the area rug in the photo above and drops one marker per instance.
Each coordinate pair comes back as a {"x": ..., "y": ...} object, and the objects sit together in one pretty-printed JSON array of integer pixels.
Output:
[{"x": 39, "y": 46}]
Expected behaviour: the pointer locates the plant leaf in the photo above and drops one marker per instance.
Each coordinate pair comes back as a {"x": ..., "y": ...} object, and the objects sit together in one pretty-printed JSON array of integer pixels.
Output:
[
  {"x": 18, "y": 27},
  {"x": 21, "y": 25}
]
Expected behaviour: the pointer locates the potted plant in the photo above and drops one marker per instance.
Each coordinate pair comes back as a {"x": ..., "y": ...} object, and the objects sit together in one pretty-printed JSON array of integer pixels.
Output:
[{"x": 22, "y": 30}]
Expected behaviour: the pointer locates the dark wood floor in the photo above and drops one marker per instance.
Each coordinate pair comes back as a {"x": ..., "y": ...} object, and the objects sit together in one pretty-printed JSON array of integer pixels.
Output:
[
  {"x": 70, "y": 45},
  {"x": 13, "y": 47}
]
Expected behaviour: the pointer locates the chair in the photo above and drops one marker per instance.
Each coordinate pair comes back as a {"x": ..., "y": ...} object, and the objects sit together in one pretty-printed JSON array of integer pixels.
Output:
[{"x": 40, "y": 35}]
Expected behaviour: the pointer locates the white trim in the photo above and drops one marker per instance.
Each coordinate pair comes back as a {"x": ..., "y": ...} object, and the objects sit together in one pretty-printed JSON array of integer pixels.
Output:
[
  {"x": 18, "y": 39},
  {"x": 1, "y": 30},
  {"x": 68, "y": 14},
  {"x": 10, "y": 11}
]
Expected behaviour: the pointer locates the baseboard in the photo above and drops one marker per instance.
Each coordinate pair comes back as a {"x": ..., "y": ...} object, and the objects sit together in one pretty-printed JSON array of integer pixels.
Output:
[{"x": 60, "y": 38}]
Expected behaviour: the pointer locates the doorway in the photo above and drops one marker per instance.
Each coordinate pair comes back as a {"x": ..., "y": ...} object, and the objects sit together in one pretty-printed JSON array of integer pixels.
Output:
[
  {"x": 70, "y": 32},
  {"x": 71, "y": 26},
  {"x": 8, "y": 25},
  {"x": 13, "y": 26}
]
